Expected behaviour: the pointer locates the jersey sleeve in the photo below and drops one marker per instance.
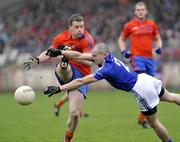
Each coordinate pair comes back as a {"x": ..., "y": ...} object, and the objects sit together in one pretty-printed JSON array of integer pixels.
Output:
[
  {"x": 56, "y": 42},
  {"x": 100, "y": 74},
  {"x": 125, "y": 31},
  {"x": 156, "y": 31}
]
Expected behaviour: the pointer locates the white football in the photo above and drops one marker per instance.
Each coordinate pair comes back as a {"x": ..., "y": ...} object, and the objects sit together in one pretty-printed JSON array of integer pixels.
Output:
[{"x": 24, "y": 95}]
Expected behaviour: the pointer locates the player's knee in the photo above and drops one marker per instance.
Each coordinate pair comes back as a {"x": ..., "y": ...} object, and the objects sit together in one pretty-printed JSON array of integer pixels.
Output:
[
  {"x": 171, "y": 97},
  {"x": 62, "y": 71},
  {"x": 65, "y": 76},
  {"x": 73, "y": 117},
  {"x": 66, "y": 71},
  {"x": 75, "y": 113}
]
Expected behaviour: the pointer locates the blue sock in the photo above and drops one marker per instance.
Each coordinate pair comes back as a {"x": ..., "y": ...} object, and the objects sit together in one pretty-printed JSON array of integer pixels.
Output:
[{"x": 169, "y": 140}]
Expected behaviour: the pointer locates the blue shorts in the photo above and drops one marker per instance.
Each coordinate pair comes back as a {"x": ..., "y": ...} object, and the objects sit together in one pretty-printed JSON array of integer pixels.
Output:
[
  {"x": 142, "y": 64},
  {"x": 76, "y": 74}
]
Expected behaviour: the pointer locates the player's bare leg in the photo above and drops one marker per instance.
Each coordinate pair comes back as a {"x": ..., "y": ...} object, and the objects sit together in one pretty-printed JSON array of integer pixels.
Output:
[
  {"x": 60, "y": 103},
  {"x": 64, "y": 74},
  {"x": 158, "y": 128},
  {"x": 75, "y": 104},
  {"x": 155, "y": 123},
  {"x": 171, "y": 97}
]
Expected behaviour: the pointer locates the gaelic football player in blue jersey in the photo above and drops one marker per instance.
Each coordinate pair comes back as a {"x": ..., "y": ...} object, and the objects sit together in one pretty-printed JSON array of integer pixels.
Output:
[{"x": 147, "y": 89}]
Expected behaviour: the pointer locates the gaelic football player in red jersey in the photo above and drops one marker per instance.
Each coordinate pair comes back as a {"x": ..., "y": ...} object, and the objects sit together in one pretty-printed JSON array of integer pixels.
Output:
[
  {"x": 142, "y": 32},
  {"x": 77, "y": 39}
]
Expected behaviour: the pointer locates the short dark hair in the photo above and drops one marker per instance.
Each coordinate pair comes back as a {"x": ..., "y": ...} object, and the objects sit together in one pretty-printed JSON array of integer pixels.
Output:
[
  {"x": 140, "y": 3},
  {"x": 75, "y": 17}
]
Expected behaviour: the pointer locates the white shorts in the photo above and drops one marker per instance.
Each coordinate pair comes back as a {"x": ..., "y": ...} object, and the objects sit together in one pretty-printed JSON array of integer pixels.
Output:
[{"x": 146, "y": 91}]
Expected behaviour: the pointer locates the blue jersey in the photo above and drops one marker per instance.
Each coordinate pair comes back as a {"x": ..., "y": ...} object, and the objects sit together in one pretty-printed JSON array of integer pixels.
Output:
[{"x": 116, "y": 73}]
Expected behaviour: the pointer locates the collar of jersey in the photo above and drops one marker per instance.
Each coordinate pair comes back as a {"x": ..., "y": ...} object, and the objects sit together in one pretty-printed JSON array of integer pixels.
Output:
[{"x": 139, "y": 21}]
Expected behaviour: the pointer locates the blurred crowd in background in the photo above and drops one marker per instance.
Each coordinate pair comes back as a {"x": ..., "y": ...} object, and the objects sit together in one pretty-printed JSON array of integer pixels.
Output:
[{"x": 29, "y": 26}]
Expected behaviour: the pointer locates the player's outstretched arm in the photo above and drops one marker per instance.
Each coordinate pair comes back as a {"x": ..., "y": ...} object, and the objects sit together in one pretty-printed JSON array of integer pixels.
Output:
[
  {"x": 68, "y": 54},
  {"x": 78, "y": 82},
  {"x": 84, "y": 62},
  {"x": 43, "y": 57},
  {"x": 34, "y": 61},
  {"x": 51, "y": 90},
  {"x": 77, "y": 55}
]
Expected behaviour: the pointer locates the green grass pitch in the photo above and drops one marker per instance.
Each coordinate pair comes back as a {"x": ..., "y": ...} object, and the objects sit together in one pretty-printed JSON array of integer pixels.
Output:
[{"x": 112, "y": 119}]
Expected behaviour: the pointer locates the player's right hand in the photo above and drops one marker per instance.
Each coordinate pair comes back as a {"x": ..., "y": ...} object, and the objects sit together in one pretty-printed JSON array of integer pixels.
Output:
[
  {"x": 33, "y": 61},
  {"x": 126, "y": 54},
  {"x": 51, "y": 90},
  {"x": 52, "y": 52}
]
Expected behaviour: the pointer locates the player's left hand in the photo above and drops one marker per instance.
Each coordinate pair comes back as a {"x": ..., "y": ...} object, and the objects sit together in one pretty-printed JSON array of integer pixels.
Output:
[
  {"x": 158, "y": 50},
  {"x": 33, "y": 61},
  {"x": 51, "y": 90},
  {"x": 52, "y": 52}
]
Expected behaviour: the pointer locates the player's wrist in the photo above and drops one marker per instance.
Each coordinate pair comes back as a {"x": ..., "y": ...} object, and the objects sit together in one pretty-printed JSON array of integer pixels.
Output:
[
  {"x": 37, "y": 59},
  {"x": 158, "y": 50},
  {"x": 58, "y": 89},
  {"x": 126, "y": 53},
  {"x": 59, "y": 52}
]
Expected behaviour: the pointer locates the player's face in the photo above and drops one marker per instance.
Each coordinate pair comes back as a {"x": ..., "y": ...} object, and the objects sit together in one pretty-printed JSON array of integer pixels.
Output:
[
  {"x": 97, "y": 57},
  {"x": 140, "y": 12},
  {"x": 77, "y": 29}
]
